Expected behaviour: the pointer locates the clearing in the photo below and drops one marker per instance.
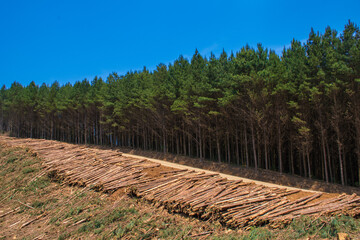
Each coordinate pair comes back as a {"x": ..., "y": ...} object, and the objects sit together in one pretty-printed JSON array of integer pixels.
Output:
[{"x": 98, "y": 185}]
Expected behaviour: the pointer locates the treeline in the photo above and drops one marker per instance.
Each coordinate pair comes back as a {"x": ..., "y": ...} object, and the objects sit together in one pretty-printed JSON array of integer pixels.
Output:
[{"x": 297, "y": 113}]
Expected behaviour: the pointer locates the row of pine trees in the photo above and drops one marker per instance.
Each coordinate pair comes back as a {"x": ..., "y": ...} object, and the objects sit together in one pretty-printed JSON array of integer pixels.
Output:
[{"x": 297, "y": 113}]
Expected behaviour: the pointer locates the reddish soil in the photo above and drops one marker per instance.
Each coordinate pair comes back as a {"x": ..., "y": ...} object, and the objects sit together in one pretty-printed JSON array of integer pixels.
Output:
[{"x": 155, "y": 172}]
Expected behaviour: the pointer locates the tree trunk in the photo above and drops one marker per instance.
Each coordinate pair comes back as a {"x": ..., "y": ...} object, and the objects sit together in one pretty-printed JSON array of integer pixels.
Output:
[
  {"x": 132, "y": 139},
  {"x": 137, "y": 135},
  {"x": 246, "y": 147},
  {"x": 345, "y": 168},
  {"x": 203, "y": 140},
  {"x": 200, "y": 144},
  {"x": 329, "y": 161},
  {"x": 85, "y": 129},
  {"x": 2, "y": 119},
  {"x": 184, "y": 139},
  {"x": 324, "y": 154},
  {"x": 218, "y": 146},
  {"x": 78, "y": 129},
  {"x": 254, "y": 145},
  {"x": 100, "y": 131},
  {"x": 304, "y": 163},
  {"x": 177, "y": 143},
  {"x": 358, "y": 161},
  {"x": 164, "y": 141},
  {"x": 266, "y": 153},
  {"x": 357, "y": 127},
  {"x": 228, "y": 146},
  {"x": 110, "y": 138},
  {"x": 210, "y": 148},
  {"x": 144, "y": 139},
  {"x": 189, "y": 145},
  {"x": 292, "y": 158},
  {"x": 237, "y": 147},
  {"x": 279, "y": 148},
  {"x": 341, "y": 163},
  {"x": 31, "y": 129},
  {"x": 52, "y": 128},
  {"x": 197, "y": 143},
  {"x": 308, "y": 162}
]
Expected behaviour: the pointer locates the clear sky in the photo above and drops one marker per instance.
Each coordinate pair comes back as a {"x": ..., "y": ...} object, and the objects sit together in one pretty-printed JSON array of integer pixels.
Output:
[{"x": 68, "y": 41}]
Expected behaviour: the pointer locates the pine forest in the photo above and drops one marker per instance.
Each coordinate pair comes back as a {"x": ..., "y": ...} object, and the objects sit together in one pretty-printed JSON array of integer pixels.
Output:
[{"x": 297, "y": 112}]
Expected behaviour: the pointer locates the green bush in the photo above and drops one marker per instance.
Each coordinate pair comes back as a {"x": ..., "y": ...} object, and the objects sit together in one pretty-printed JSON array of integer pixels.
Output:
[{"x": 28, "y": 170}]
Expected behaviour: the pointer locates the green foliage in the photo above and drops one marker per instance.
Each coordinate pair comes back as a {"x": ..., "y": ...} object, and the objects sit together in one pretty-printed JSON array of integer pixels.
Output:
[
  {"x": 98, "y": 224},
  {"x": 64, "y": 236},
  {"x": 258, "y": 233},
  {"x": 252, "y": 106},
  {"x": 121, "y": 231},
  {"x": 324, "y": 228},
  {"x": 39, "y": 183},
  {"x": 38, "y": 204},
  {"x": 28, "y": 170},
  {"x": 11, "y": 159},
  {"x": 120, "y": 213},
  {"x": 73, "y": 212}
]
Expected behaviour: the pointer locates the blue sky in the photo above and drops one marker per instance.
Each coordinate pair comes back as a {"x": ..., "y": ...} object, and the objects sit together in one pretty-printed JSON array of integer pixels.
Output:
[{"x": 68, "y": 41}]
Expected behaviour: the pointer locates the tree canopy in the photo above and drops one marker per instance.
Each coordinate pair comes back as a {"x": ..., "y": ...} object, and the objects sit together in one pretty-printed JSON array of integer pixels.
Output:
[{"x": 297, "y": 113}]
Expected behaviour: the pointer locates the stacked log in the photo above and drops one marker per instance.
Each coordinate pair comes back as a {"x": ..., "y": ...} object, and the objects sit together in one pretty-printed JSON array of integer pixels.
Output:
[
  {"x": 203, "y": 195},
  {"x": 104, "y": 170}
]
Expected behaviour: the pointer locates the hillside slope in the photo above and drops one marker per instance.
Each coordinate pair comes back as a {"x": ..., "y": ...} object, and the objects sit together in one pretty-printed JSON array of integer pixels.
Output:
[
  {"x": 33, "y": 205},
  {"x": 25, "y": 180}
]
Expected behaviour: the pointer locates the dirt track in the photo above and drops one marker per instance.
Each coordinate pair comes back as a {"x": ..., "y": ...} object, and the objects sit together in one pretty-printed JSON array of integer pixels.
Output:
[
  {"x": 262, "y": 175},
  {"x": 227, "y": 176}
]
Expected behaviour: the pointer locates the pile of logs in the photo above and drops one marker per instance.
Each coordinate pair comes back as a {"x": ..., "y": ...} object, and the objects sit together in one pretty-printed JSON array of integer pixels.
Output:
[
  {"x": 235, "y": 203},
  {"x": 104, "y": 170},
  {"x": 206, "y": 196}
]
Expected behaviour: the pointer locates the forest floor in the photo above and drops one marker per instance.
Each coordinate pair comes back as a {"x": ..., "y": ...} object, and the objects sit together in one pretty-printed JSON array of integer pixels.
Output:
[
  {"x": 34, "y": 205},
  {"x": 262, "y": 175}
]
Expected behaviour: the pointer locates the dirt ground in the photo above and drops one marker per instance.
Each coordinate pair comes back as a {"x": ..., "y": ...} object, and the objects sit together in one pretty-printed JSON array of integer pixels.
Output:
[{"x": 260, "y": 175}]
